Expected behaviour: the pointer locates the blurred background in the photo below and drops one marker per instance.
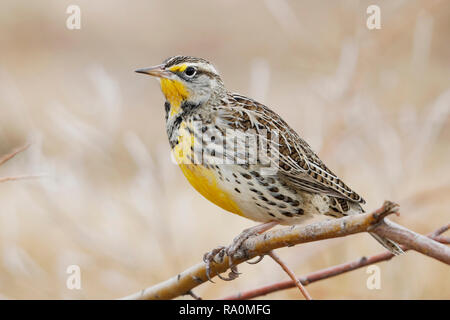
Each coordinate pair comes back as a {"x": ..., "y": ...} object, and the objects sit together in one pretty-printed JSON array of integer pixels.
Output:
[{"x": 375, "y": 105}]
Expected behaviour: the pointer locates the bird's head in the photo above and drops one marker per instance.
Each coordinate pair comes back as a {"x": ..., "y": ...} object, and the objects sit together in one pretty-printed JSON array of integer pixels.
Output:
[{"x": 186, "y": 79}]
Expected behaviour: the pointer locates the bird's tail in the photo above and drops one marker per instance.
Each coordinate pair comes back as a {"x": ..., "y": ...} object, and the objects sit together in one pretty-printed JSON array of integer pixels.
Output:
[{"x": 393, "y": 247}]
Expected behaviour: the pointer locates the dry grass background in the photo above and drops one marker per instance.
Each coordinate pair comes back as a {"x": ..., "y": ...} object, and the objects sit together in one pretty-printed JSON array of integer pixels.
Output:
[{"x": 374, "y": 104}]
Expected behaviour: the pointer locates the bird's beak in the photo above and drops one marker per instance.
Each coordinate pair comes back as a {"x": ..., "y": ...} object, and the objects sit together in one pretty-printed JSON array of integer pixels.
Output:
[{"x": 156, "y": 71}]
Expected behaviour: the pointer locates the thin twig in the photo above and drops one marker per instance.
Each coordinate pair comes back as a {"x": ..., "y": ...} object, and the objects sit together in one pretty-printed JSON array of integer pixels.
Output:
[
  {"x": 331, "y": 271},
  {"x": 440, "y": 231},
  {"x": 12, "y": 154},
  {"x": 442, "y": 239},
  {"x": 291, "y": 274},
  {"x": 13, "y": 178},
  {"x": 193, "y": 295}
]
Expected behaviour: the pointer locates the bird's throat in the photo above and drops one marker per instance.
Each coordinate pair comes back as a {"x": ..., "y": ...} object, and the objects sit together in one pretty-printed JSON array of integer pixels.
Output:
[{"x": 175, "y": 93}]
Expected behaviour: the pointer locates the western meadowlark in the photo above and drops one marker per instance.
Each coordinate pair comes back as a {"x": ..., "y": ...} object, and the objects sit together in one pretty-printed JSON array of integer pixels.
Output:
[{"x": 211, "y": 132}]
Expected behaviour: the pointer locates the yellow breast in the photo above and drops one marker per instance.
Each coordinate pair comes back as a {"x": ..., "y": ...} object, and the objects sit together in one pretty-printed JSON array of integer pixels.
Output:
[{"x": 203, "y": 179}]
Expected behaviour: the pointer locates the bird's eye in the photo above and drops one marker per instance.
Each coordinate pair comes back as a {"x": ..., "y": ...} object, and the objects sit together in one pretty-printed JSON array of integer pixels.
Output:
[{"x": 190, "y": 71}]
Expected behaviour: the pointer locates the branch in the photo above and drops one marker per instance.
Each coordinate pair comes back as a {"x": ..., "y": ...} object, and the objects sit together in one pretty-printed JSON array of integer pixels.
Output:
[
  {"x": 331, "y": 271},
  {"x": 290, "y": 236},
  {"x": 414, "y": 241}
]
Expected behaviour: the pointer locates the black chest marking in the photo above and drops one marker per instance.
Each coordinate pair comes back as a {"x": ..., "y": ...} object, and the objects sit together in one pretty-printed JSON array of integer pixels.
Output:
[
  {"x": 187, "y": 109},
  {"x": 172, "y": 128},
  {"x": 167, "y": 108}
]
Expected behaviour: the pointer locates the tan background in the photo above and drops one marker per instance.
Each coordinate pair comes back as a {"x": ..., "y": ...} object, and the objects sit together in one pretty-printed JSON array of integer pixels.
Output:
[{"x": 374, "y": 104}]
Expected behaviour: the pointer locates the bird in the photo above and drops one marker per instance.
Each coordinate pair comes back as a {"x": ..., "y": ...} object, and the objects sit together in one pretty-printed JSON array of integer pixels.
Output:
[{"x": 243, "y": 157}]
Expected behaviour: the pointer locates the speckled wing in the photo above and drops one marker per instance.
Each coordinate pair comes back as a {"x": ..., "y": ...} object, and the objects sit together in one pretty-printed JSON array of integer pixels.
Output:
[{"x": 297, "y": 164}]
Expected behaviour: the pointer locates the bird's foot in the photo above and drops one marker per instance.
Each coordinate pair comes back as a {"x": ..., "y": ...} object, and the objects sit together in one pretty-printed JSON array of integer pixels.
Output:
[
  {"x": 216, "y": 256},
  {"x": 234, "y": 250}
]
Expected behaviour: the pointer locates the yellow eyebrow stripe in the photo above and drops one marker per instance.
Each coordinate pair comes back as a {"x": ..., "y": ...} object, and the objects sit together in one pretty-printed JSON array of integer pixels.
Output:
[{"x": 178, "y": 68}]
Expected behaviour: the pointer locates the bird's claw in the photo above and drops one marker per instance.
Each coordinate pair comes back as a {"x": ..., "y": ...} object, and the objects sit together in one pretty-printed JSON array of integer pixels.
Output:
[
  {"x": 209, "y": 258},
  {"x": 218, "y": 254},
  {"x": 232, "y": 275},
  {"x": 258, "y": 260}
]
